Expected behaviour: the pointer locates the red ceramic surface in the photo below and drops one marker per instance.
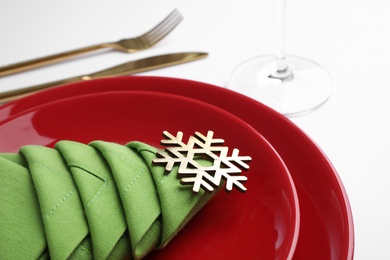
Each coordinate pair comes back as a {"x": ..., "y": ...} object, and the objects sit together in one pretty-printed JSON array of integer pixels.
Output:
[
  {"x": 326, "y": 229},
  {"x": 262, "y": 223}
]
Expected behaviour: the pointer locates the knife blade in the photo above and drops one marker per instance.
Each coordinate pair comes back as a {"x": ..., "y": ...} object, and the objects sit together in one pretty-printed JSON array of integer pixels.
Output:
[{"x": 132, "y": 67}]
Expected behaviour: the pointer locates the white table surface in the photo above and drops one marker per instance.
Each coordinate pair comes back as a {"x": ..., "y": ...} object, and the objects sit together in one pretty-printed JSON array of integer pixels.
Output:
[{"x": 350, "y": 38}]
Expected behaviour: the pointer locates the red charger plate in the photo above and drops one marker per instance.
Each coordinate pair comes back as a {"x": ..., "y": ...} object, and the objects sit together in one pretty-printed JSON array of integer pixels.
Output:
[
  {"x": 326, "y": 229},
  {"x": 262, "y": 223}
]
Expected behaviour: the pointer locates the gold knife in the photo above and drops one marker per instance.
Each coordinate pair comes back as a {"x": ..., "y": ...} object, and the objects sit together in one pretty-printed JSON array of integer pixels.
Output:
[{"x": 132, "y": 67}]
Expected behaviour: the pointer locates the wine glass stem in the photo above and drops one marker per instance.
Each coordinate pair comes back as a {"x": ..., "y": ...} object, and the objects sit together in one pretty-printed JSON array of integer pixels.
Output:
[
  {"x": 281, "y": 30},
  {"x": 282, "y": 70}
]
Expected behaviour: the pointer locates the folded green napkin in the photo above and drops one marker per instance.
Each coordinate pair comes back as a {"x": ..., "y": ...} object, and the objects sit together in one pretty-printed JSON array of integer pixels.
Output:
[{"x": 101, "y": 201}]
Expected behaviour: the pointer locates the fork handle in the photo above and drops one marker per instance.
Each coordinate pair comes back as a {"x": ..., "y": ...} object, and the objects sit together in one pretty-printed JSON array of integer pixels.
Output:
[{"x": 43, "y": 61}]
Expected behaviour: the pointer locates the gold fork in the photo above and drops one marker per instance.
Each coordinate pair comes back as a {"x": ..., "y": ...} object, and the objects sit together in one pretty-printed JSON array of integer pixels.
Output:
[{"x": 141, "y": 42}]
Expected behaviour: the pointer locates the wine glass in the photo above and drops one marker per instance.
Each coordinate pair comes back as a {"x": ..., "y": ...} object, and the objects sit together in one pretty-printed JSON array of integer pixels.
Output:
[{"x": 289, "y": 84}]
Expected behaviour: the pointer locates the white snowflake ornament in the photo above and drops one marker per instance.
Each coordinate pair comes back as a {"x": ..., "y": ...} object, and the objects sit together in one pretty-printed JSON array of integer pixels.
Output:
[{"x": 221, "y": 166}]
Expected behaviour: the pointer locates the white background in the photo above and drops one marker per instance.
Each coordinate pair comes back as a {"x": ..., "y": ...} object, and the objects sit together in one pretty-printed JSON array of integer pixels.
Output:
[{"x": 350, "y": 38}]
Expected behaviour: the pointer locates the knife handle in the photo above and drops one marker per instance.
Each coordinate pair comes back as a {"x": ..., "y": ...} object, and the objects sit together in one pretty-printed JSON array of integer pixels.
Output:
[
  {"x": 119, "y": 70},
  {"x": 12, "y": 95}
]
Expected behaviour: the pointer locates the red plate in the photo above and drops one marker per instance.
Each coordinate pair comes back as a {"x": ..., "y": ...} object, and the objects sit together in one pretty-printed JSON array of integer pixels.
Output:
[
  {"x": 326, "y": 230},
  {"x": 261, "y": 223}
]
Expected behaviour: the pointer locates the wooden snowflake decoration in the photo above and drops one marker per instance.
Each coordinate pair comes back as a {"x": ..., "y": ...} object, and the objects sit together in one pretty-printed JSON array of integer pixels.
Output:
[{"x": 203, "y": 175}]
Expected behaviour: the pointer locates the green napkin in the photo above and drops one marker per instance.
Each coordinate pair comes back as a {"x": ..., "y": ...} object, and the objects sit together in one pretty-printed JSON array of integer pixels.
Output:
[{"x": 101, "y": 201}]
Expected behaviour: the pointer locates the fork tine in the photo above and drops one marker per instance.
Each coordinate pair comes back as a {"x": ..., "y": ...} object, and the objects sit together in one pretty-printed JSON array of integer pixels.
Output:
[
  {"x": 173, "y": 15},
  {"x": 158, "y": 35},
  {"x": 164, "y": 27}
]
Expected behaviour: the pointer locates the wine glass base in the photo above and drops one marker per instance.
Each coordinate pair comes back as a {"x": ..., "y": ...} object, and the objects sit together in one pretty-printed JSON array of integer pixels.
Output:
[{"x": 306, "y": 88}]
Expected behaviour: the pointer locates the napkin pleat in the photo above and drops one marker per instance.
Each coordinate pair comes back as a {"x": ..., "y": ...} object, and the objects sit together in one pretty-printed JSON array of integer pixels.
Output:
[
  {"x": 176, "y": 210},
  {"x": 138, "y": 194},
  {"x": 98, "y": 192},
  {"x": 61, "y": 208},
  {"x": 20, "y": 218}
]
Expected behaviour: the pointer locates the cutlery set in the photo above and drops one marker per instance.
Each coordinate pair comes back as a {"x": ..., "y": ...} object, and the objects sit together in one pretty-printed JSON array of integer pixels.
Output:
[{"x": 142, "y": 42}]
